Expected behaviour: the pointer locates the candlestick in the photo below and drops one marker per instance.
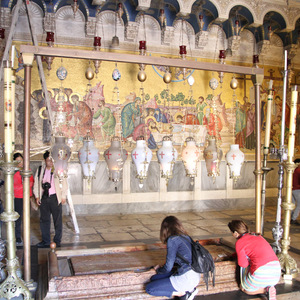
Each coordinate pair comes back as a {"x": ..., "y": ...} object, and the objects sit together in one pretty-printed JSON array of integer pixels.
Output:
[
  {"x": 7, "y": 108},
  {"x": 292, "y": 127},
  {"x": 13, "y": 110},
  {"x": 268, "y": 119}
]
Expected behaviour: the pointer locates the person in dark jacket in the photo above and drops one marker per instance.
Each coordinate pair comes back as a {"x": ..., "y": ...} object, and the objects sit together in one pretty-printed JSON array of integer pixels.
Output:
[{"x": 168, "y": 280}]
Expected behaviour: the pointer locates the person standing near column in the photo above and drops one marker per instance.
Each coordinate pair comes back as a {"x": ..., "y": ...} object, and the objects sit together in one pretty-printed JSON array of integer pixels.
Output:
[
  {"x": 50, "y": 194},
  {"x": 18, "y": 196},
  {"x": 296, "y": 194}
]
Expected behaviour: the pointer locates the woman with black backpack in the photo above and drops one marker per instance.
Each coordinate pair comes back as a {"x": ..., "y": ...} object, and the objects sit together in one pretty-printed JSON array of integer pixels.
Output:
[{"x": 176, "y": 277}]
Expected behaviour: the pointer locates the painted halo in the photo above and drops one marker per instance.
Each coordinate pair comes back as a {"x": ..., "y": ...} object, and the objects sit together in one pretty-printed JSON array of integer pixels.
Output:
[{"x": 75, "y": 94}]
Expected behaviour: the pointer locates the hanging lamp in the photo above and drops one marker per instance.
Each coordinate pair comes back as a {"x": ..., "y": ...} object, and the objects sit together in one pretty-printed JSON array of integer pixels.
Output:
[
  {"x": 167, "y": 156},
  {"x": 141, "y": 156},
  {"x": 212, "y": 155},
  {"x": 88, "y": 156},
  {"x": 190, "y": 155},
  {"x": 115, "y": 157},
  {"x": 234, "y": 159},
  {"x": 50, "y": 43},
  {"x": 142, "y": 76},
  {"x": 61, "y": 154},
  {"x": 97, "y": 47}
]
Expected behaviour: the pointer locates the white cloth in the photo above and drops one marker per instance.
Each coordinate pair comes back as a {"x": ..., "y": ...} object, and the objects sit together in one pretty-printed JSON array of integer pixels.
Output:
[{"x": 185, "y": 282}]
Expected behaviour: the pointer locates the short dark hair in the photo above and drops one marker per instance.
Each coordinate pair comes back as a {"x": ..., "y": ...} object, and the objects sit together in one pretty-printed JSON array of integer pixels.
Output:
[
  {"x": 239, "y": 226},
  {"x": 297, "y": 161},
  {"x": 46, "y": 155},
  {"x": 16, "y": 155}
]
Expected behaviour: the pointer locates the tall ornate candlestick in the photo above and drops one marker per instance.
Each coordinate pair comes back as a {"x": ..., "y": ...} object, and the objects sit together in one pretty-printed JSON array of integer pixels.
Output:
[
  {"x": 12, "y": 286},
  {"x": 266, "y": 152},
  {"x": 277, "y": 230},
  {"x": 288, "y": 264}
]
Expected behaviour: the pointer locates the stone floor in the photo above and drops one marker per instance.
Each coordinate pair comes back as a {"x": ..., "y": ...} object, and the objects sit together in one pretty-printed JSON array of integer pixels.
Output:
[
  {"x": 104, "y": 230},
  {"x": 110, "y": 229}
]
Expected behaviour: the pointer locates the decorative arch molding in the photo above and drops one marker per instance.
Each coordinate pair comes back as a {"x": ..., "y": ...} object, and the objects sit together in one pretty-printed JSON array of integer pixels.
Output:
[
  {"x": 247, "y": 36},
  {"x": 35, "y": 9},
  {"x": 66, "y": 13},
  {"x": 276, "y": 41},
  {"x": 150, "y": 22}
]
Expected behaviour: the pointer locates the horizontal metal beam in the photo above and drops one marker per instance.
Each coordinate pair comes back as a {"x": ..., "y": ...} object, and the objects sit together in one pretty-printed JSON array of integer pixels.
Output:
[{"x": 139, "y": 59}]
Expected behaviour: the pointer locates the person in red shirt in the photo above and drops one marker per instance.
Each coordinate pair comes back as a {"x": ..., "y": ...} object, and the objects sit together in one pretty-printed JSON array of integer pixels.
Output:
[
  {"x": 259, "y": 266},
  {"x": 296, "y": 194},
  {"x": 18, "y": 196}
]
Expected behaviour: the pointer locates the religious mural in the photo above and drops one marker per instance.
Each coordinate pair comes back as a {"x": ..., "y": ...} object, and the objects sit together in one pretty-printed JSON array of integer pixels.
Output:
[
  {"x": 153, "y": 117},
  {"x": 179, "y": 114}
]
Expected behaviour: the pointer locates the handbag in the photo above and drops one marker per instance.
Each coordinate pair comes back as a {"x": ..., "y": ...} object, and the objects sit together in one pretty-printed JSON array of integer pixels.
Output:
[{"x": 33, "y": 203}]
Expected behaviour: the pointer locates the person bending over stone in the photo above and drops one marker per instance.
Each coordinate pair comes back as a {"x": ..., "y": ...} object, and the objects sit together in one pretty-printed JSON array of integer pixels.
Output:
[
  {"x": 169, "y": 281},
  {"x": 259, "y": 266}
]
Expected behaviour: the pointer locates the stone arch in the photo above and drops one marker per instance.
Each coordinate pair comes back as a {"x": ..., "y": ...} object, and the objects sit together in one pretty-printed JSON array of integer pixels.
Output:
[{"x": 245, "y": 5}]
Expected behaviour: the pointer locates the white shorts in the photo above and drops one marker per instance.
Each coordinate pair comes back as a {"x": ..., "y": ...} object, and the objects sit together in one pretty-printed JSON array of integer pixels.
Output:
[{"x": 185, "y": 282}]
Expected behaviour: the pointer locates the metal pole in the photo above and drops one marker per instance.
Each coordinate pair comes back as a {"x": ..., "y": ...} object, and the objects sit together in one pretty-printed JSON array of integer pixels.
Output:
[
  {"x": 12, "y": 286},
  {"x": 277, "y": 229},
  {"x": 266, "y": 152},
  {"x": 26, "y": 173},
  {"x": 257, "y": 81},
  {"x": 288, "y": 264}
]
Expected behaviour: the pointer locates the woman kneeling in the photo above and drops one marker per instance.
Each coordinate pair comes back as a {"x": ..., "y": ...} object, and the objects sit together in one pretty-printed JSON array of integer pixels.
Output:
[
  {"x": 182, "y": 280},
  {"x": 260, "y": 267}
]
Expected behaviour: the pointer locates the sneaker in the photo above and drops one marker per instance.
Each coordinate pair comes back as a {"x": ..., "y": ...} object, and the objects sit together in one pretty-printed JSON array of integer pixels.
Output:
[
  {"x": 295, "y": 222},
  {"x": 42, "y": 244},
  {"x": 19, "y": 241},
  {"x": 189, "y": 295},
  {"x": 271, "y": 292}
]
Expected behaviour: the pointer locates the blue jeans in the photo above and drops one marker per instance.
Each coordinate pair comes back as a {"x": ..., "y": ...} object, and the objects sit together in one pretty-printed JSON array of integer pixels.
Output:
[{"x": 160, "y": 285}]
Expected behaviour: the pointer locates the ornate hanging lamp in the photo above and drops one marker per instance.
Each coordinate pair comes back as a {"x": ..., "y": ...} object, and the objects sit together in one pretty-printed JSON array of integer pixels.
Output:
[
  {"x": 201, "y": 22},
  {"x": 162, "y": 17},
  {"x": 234, "y": 159},
  {"x": 222, "y": 57},
  {"x": 182, "y": 53},
  {"x": 115, "y": 157},
  {"x": 61, "y": 154},
  {"x": 118, "y": 14},
  {"x": 141, "y": 156},
  {"x": 97, "y": 47},
  {"x": 237, "y": 28},
  {"x": 75, "y": 7},
  {"x": 142, "y": 76},
  {"x": 212, "y": 155},
  {"x": 190, "y": 155},
  {"x": 167, "y": 156},
  {"x": 50, "y": 43},
  {"x": 88, "y": 156}
]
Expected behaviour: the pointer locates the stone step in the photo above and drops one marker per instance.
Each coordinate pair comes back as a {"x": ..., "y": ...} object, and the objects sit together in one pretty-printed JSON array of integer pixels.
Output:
[{"x": 121, "y": 272}]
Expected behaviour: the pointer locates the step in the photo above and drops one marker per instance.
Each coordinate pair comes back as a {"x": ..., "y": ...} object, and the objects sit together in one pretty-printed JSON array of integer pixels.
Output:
[{"x": 121, "y": 272}]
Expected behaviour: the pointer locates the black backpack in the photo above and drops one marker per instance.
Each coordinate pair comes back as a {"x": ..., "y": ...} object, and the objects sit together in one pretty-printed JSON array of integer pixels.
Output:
[{"x": 202, "y": 261}]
